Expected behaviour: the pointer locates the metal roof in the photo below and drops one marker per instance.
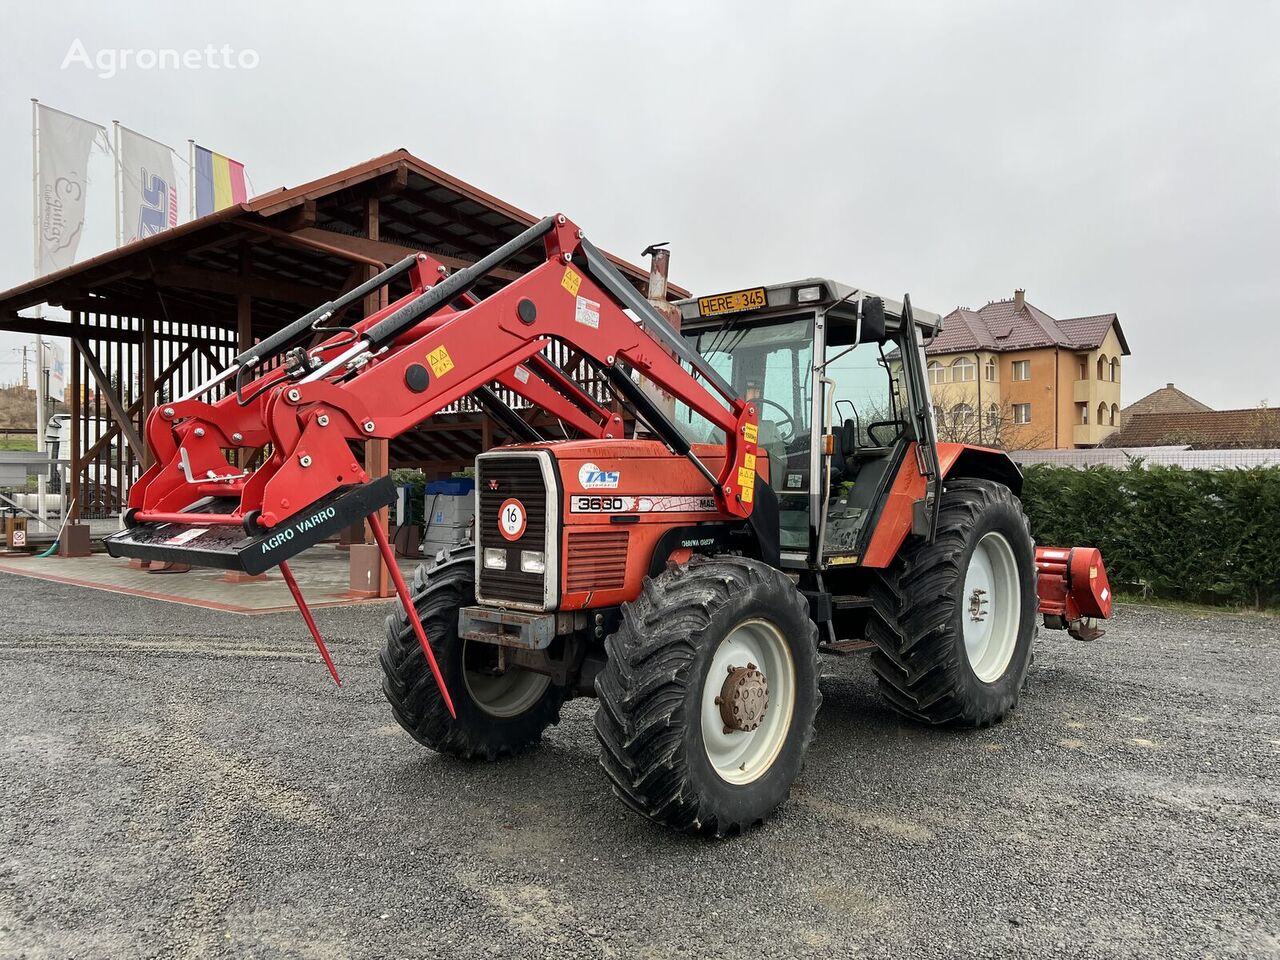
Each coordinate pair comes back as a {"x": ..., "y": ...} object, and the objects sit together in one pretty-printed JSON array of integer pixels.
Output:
[
  {"x": 1172, "y": 456},
  {"x": 1004, "y": 326}
]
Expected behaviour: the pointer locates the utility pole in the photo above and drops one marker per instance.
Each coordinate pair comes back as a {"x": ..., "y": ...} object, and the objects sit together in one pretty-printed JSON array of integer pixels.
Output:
[{"x": 26, "y": 377}]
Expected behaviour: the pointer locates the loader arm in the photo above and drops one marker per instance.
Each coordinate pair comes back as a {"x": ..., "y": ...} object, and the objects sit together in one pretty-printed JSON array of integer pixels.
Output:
[{"x": 388, "y": 373}]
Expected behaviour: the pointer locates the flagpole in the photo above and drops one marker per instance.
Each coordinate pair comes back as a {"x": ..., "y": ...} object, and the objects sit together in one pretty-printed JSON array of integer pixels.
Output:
[
  {"x": 41, "y": 418},
  {"x": 115, "y": 124},
  {"x": 191, "y": 177},
  {"x": 35, "y": 183}
]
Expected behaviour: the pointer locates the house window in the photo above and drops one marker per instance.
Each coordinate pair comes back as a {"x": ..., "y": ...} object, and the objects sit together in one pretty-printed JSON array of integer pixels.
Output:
[
  {"x": 1115, "y": 369},
  {"x": 939, "y": 416},
  {"x": 1084, "y": 413},
  {"x": 1022, "y": 413},
  {"x": 993, "y": 415},
  {"x": 1102, "y": 367},
  {"x": 1084, "y": 370},
  {"x": 962, "y": 415},
  {"x": 962, "y": 370},
  {"x": 992, "y": 368},
  {"x": 1022, "y": 369},
  {"x": 1115, "y": 414},
  {"x": 937, "y": 372},
  {"x": 1102, "y": 414}
]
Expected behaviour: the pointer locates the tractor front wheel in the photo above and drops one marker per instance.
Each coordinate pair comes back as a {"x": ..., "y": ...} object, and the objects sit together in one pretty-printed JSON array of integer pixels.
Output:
[
  {"x": 953, "y": 621},
  {"x": 707, "y": 700},
  {"x": 502, "y": 709}
]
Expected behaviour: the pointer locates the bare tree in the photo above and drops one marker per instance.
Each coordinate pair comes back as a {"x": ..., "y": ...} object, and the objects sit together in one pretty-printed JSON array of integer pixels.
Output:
[{"x": 959, "y": 420}]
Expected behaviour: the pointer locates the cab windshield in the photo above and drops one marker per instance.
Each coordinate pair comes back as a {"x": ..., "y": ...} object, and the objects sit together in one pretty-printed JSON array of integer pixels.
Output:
[{"x": 771, "y": 363}]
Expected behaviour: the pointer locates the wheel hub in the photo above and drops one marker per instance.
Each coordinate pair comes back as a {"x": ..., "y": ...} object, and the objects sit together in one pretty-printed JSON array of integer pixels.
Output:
[
  {"x": 978, "y": 605},
  {"x": 743, "y": 699}
]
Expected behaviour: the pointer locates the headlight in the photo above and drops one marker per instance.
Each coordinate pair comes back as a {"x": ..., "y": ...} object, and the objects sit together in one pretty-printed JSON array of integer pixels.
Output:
[
  {"x": 533, "y": 561},
  {"x": 495, "y": 559}
]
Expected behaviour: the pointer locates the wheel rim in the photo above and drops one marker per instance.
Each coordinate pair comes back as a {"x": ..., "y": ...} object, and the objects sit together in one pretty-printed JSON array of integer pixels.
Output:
[
  {"x": 991, "y": 607},
  {"x": 506, "y": 694},
  {"x": 742, "y": 756}
]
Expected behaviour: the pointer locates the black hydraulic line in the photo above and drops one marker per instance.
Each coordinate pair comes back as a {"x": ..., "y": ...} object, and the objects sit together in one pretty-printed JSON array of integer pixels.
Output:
[
  {"x": 507, "y": 418},
  {"x": 255, "y": 354},
  {"x": 607, "y": 275},
  {"x": 653, "y": 416},
  {"x": 450, "y": 289},
  {"x": 584, "y": 401}
]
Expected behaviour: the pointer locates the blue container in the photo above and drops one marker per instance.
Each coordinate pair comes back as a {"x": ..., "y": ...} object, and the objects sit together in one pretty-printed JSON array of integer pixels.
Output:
[{"x": 453, "y": 487}]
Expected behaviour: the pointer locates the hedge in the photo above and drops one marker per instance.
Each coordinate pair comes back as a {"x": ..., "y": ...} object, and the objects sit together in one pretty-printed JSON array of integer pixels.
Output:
[{"x": 1201, "y": 535}]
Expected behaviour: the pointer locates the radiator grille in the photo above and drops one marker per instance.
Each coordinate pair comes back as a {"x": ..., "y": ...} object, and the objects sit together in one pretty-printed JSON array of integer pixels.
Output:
[
  {"x": 597, "y": 560},
  {"x": 519, "y": 477}
]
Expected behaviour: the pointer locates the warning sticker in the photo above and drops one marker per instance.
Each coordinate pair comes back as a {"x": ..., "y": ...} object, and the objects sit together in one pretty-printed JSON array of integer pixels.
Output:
[
  {"x": 749, "y": 461},
  {"x": 522, "y": 374},
  {"x": 749, "y": 432},
  {"x": 571, "y": 281},
  {"x": 588, "y": 313},
  {"x": 441, "y": 362}
]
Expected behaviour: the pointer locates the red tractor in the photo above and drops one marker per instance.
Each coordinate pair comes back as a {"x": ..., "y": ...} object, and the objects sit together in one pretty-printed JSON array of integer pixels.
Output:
[{"x": 788, "y": 496}]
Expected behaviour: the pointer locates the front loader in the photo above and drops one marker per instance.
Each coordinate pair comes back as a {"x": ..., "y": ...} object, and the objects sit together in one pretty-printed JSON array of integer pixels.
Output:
[{"x": 792, "y": 499}]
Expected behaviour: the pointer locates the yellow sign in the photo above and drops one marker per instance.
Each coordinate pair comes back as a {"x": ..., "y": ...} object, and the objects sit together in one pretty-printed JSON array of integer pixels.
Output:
[
  {"x": 571, "y": 281},
  {"x": 848, "y": 558},
  {"x": 441, "y": 362},
  {"x": 749, "y": 461},
  {"x": 749, "y": 432},
  {"x": 734, "y": 302}
]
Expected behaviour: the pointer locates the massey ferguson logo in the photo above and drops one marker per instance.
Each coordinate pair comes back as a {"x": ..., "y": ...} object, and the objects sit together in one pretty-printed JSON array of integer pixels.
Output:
[
  {"x": 493, "y": 484},
  {"x": 593, "y": 478}
]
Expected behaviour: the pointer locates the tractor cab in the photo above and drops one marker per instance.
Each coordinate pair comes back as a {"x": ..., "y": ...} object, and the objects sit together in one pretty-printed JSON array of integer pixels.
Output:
[{"x": 837, "y": 373}]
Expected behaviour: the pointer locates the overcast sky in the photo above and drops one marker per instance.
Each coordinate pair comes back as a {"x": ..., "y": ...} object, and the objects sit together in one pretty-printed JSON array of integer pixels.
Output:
[{"x": 1105, "y": 156}]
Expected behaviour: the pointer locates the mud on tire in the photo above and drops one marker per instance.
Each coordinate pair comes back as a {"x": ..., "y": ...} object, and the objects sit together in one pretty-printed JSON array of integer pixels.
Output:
[
  {"x": 917, "y": 623},
  {"x": 649, "y": 718},
  {"x": 509, "y": 723}
]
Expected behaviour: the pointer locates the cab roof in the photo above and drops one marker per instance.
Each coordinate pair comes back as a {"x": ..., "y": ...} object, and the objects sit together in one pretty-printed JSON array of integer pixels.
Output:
[{"x": 812, "y": 292}]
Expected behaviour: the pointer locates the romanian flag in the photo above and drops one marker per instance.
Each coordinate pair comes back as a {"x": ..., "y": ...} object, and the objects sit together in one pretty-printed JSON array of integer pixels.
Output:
[{"x": 219, "y": 181}]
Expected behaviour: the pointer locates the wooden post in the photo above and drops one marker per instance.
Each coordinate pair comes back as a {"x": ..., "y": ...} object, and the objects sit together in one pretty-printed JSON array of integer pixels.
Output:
[
  {"x": 72, "y": 487},
  {"x": 148, "y": 397},
  {"x": 377, "y": 453},
  {"x": 244, "y": 331}
]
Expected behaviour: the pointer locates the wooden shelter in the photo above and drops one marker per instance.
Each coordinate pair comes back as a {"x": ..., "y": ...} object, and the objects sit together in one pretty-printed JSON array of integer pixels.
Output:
[{"x": 152, "y": 318}]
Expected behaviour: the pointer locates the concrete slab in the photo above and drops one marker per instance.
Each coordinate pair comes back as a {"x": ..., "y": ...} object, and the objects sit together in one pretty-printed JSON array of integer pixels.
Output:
[{"x": 322, "y": 573}]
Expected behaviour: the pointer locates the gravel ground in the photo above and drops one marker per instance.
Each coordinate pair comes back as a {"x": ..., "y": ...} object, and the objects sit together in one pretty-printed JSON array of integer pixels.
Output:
[{"x": 178, "y": 782}]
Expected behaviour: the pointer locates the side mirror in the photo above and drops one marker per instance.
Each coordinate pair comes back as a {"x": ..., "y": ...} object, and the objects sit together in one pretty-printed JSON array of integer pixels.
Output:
[{"x": 871, "y": 316}]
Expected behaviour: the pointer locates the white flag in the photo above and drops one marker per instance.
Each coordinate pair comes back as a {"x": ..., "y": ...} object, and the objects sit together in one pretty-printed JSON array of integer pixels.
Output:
[
  {"x": 64, "y": 143},
  {"x": 150, "y": 192}
]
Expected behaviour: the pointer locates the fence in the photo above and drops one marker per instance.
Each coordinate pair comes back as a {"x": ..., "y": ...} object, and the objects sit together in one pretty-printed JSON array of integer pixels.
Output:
[{"x": 1208, "y": 536}]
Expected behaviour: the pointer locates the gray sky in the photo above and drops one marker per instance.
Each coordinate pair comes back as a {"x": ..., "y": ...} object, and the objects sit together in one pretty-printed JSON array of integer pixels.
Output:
[{"x": 1105, "y": 156}]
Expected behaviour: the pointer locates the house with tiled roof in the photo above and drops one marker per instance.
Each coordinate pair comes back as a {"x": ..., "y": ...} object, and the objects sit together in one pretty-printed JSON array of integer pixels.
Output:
[
  {"x": 1010, "y": 374},
  {"x": 1250, "y": 428},
  {"x": 1168, "y": 399}
]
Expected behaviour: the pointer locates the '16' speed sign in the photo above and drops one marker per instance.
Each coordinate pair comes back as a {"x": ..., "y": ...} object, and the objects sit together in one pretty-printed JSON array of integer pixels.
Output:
[{"x": 512, "y": 519}]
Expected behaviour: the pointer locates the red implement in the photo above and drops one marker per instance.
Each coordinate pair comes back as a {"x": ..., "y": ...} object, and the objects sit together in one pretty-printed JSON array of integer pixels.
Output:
[{"x": 1073, "y": 589}]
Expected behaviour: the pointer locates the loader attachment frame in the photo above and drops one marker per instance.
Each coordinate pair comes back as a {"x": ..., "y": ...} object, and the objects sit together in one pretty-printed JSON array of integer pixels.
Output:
[{"x": 387, "y": 373}]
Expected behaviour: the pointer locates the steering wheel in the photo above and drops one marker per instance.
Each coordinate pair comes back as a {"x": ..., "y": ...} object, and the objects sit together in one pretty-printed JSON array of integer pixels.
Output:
[
  {"x": 872, "y": 427},
  {"x": 788, "y": 420}
]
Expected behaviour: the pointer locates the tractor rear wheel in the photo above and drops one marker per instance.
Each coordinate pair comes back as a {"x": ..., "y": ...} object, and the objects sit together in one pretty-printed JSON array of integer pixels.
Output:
[
  {"x": 953, "y": 621},
  {"x": 501, "y": 711},
  {"x": 707, "y": 700}
]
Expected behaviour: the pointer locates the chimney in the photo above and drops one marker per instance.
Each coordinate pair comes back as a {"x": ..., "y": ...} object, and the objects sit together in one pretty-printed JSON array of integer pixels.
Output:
[
  {"x": 1019, "y": 300},
  {"x": 1168, "y": 386}
]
